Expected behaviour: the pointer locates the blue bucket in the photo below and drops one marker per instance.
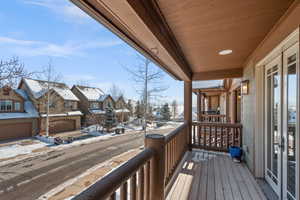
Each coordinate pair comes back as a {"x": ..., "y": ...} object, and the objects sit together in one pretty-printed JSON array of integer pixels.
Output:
[{"x": 235, "y": 152}]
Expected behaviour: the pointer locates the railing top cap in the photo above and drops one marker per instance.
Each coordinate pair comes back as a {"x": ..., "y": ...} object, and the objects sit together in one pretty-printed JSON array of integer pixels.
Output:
[{"x": 155, "y": 136}]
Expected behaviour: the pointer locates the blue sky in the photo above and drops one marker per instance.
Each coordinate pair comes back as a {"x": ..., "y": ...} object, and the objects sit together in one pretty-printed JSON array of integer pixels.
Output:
[{"x": 80, "y": 48}]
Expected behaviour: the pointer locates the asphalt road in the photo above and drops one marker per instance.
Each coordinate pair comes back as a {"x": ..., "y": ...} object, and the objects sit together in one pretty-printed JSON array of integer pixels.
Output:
[{"x": 32, "y": 177}]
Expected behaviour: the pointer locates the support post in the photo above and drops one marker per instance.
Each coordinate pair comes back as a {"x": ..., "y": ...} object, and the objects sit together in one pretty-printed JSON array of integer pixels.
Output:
[
  {"x": 199, "y": 105},
  {"x": 233, "y": 106},
  {"x": 157, "y": 168},
  {"x": 227, "y": 107},
  {"x": 188, "y": 110}
]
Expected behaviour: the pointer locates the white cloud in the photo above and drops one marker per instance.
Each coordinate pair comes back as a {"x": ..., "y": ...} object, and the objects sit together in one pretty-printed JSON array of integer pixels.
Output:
[
  {"x": 63, "y": 8},
  {"x": 7, "y": 40},
  {"x": 42, "y": 48}
]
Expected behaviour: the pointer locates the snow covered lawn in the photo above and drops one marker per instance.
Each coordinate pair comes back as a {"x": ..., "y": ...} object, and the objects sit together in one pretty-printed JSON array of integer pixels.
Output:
[{"x": 17, "y": 149}]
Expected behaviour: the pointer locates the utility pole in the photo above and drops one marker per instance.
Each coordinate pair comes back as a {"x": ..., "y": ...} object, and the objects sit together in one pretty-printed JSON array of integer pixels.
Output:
[{"x": 146, "y": 98}]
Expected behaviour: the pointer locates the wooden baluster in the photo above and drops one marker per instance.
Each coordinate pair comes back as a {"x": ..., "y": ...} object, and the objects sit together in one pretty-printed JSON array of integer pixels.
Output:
[
  {"x": 194, "y": 135},
  {"x": 233, "y": 137},
  {"x": 147, "y": 185},
  {"x": 112, "y": 196},
  {"x": 227, "y": 139},
  {"x": 133, "y": 190},
  {"x": 141, "y": 183},
  {"x": 205, "y": 133},
  {"x": 221, "y": 146},
  {"x": 123, "y": 191},
  {"x": 210, "y": 137},
  {"x": 216, "y": 138}
]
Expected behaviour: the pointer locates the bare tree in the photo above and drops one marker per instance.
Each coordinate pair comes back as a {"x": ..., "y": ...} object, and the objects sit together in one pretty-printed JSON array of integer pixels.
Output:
[
  {"x": 11, "y": 71},
  {"x": 83, "y": 83},
  {"x": 51, "y": 78},
  {"x": 174, "y": 108},
  {"x": 115, "y": 91},
  {"x": 148, "y": 83}
]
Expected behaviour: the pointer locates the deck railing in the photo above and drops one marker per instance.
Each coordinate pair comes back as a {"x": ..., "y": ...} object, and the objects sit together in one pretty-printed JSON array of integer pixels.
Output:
[
  {"x": 212, "y": 118},
  {"x": 146, "y": 175},
  {"x": 216, "y": 136}
]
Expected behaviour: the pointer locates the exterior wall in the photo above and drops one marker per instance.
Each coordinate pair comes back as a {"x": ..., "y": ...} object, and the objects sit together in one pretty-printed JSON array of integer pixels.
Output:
[
  {"x": 248, "y": 117},
  {"x": 223, "y": 103},
  {"x": 14, "y": 97},
  {"x": 58, "y": 102},
  {"x": 76, "y": 119},
  {"x": 83, "y": 104}
]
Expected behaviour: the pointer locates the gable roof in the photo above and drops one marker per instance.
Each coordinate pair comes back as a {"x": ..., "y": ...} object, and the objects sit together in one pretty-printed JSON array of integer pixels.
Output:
[
  {"x": 92, "y": 93},
  {"x": 38, "y": 88}
]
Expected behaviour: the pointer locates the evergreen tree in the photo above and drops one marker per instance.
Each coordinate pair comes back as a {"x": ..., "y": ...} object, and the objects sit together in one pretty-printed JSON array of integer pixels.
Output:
[
  {"x": 110, "y": 119},
  {"x": 165, "y": 112},
  {"x": 138, "y": 110},
  {"x": 130, "y": 107}
]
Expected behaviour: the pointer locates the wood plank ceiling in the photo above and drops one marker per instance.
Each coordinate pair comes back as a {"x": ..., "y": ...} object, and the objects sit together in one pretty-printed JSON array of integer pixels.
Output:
[
  {"x": 188, "y": 34},
  {"x": 205, "y": 27}
]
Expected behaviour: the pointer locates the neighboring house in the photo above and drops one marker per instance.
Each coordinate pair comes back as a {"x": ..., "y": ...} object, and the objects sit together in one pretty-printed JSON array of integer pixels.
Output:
[
  {"x": 93, "y": 102},
  {"x": 64, "y": 114},
  {"x": 121, "y": 109},
  {"x": 18, "y": 117}
]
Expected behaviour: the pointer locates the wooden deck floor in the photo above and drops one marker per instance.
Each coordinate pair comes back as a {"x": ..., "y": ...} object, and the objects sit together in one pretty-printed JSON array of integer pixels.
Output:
[{"x": 209, "y": 175}]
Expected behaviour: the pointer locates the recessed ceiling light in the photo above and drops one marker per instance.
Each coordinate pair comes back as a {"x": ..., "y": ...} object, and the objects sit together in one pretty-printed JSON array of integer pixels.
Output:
[{"x": 225, "y": 52}]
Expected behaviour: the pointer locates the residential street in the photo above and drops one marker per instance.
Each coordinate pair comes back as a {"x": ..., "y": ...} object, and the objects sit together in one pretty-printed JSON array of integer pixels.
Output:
[{"x": 30, "y": 178}]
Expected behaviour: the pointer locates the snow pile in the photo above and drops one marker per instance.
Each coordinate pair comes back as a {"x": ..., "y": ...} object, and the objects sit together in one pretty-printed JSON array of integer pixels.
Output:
[
  {"x": 16, "y": 149},
  {"x": 45, "y": 139},
  {"x": 122, "y": 111},
  {"x": 97, "y": 111}
]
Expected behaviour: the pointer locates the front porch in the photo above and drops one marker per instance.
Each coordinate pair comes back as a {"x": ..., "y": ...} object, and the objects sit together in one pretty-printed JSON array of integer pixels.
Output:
[{"x": 211, "y": 175}]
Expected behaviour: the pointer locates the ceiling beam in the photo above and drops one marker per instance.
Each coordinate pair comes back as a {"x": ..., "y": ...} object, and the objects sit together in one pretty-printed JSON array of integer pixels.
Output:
[
  {"x": 218, "y": 74},
  {"x": 151, "y": 15}
]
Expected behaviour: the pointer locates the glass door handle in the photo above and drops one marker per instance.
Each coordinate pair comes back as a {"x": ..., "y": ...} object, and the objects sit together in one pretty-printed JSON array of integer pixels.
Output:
[{"x": 281, "y": 145}]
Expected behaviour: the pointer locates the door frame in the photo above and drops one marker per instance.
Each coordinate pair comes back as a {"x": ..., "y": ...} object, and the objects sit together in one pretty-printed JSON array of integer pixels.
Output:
[{"x": 277, "y": 61}]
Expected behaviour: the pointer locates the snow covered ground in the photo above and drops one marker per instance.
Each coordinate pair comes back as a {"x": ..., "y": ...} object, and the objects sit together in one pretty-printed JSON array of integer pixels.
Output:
[
  {"x": 14, "y": 150},
  {"x": 17, "y": 149}
]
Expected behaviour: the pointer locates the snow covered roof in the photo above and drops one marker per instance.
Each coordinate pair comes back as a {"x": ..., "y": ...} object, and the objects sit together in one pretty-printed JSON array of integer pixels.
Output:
[
  {"x": 38, "y": 88},
  {"x": 91, "y": 93},
  {"x": 208, "y": 84},
  {"x": 71, "y": 113},
  {"x": 29, "y": 109},
  {"x": 97, "y": 111},
  {"x": 122, "y": 110}
]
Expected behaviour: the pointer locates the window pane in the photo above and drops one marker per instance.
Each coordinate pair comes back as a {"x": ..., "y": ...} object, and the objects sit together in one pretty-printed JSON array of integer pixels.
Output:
[
  {"x": 292, "y": 113},
  {"x": 17, "y": 106}
]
